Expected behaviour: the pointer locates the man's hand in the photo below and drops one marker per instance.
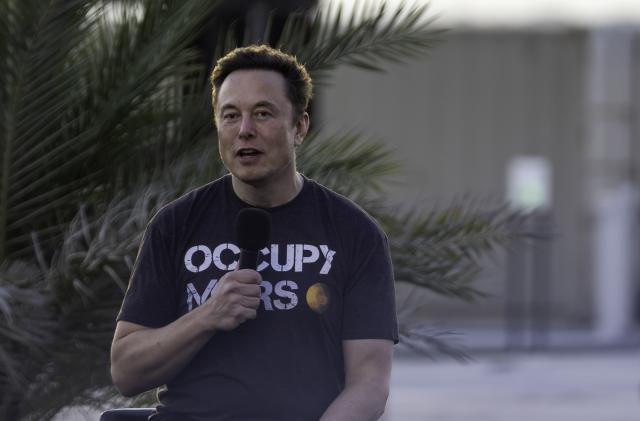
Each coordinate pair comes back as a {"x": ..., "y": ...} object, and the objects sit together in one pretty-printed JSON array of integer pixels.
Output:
[
  {"x": 143, "y": 357},
  {"x": 234, "y": 300}
]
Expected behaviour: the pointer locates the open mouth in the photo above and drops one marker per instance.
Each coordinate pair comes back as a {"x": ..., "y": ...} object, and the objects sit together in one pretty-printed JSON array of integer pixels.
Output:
[{"x": 248, "y": 152}]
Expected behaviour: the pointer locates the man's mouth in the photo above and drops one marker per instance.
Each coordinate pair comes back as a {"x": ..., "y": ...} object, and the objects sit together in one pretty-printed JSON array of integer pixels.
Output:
[{"x": 247, "y": 152}]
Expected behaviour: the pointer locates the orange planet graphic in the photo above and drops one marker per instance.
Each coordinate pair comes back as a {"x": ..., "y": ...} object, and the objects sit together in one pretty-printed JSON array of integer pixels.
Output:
[{"x": 318, "y": 297}]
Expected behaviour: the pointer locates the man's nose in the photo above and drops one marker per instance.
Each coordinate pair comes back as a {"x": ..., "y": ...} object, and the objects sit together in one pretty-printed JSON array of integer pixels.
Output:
[{"x": 247, "y": 128}]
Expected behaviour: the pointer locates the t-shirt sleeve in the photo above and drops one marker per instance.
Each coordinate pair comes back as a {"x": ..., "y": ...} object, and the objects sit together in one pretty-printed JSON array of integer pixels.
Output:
[
  {"x": 150, "y": 299},
  {"x": 369, "y": 297}
]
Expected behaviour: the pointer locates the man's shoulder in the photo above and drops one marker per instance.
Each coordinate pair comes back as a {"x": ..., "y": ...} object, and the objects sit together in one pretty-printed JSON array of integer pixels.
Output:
[
  {"x": 331, "y": 197},
  {"x": 205, "y": 192},
  {"x": 180, "y": 208},
  {"x": 342, "y": 207}
]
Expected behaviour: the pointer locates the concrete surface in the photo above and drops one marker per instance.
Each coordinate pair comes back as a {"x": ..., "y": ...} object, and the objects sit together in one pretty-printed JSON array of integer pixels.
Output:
[{"x": 554, "y": 386}]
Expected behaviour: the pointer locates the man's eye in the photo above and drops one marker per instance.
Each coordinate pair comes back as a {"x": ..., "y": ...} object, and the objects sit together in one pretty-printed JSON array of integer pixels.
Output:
[
  {"x": 229, "y": 116},
  {"x": 263, "y": 114}
]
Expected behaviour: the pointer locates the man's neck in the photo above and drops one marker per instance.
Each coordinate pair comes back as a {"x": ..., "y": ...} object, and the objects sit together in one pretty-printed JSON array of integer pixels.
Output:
[{"x": 268, "y": 195}]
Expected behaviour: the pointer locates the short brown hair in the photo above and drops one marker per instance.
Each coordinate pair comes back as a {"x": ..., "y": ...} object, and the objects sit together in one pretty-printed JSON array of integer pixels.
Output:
[{"x": 299, "y": 85}]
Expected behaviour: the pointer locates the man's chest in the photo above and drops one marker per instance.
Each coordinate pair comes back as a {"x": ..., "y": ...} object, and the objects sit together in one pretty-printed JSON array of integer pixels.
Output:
[{"x": 302, "y": 269}]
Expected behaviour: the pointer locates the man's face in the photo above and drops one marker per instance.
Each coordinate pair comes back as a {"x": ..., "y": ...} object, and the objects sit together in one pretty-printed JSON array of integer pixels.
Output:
[{"x": 257, "y": 134}]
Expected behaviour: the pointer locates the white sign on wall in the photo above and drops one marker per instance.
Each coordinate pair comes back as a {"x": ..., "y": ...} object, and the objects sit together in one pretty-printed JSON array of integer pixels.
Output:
[{"x": 529, "y": 181}]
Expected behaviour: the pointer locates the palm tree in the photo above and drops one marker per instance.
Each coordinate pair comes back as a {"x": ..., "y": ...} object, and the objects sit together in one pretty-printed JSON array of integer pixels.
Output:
[{"x": 105, "y": 118}]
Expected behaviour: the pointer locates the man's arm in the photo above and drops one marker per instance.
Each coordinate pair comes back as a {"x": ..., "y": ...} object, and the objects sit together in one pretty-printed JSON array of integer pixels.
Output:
[
  {"x": 143, "y": 357},
  {"x": 367, "y": 364}
]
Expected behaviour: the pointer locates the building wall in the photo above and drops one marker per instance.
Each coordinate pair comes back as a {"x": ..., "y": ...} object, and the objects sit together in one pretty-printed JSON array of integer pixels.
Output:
[{"x": 458, "y": 116}]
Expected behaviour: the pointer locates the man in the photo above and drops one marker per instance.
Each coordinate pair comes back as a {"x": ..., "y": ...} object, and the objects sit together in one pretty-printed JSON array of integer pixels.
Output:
[{"x": 306, "y": 336}]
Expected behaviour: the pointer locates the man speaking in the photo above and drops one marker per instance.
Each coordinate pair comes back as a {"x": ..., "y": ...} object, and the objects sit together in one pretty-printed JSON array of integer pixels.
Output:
[{"x": 305, "y": 335}]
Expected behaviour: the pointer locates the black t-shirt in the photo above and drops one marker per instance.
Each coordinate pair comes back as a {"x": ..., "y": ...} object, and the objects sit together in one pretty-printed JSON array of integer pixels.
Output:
[{"x": 327, "y": 277}]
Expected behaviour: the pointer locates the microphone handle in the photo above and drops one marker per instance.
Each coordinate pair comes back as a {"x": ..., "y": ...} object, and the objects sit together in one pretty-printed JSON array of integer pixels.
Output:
[{"x": 248, "y": 259}]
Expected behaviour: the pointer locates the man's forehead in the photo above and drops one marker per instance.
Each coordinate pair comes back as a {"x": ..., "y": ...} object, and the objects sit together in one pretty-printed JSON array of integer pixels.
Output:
[{"x": 252, "y": 85}]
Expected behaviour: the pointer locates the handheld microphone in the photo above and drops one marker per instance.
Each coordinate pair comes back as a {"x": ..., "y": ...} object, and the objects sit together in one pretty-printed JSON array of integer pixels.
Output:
[{"x": 253, "y": 230}]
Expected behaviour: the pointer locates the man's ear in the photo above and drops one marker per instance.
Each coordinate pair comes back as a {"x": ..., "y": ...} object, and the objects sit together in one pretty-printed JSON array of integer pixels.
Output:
[{"x": 302, "y": 127}]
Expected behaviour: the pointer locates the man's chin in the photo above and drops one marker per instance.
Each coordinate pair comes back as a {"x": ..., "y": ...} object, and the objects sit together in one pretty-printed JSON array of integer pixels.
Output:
[{"x": 254, "y": 180}]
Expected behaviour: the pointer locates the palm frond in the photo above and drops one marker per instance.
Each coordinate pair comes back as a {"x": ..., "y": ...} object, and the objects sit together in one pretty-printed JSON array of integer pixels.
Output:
[
  {"x": 94, "y": 97},
  {"x": 441, "y": 249},
  {"x": 32, "y": 33},
  {"x": 87, "y": 281},
  {"x": 348, "y": 163},
  {"x": 431, "y": 342},
  {"x": 367, "y": 39},
  {"x": 27, "y": 327}
]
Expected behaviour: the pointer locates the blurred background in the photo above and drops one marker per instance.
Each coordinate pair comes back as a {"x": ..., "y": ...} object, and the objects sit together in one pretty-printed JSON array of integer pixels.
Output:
[
  {"x": 497, "y": 141},
  {"x": 536, "y": 103}
]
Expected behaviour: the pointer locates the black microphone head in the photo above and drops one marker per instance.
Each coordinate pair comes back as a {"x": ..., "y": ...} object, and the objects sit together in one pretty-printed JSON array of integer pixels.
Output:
[{"x": 253, "y": 229}]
